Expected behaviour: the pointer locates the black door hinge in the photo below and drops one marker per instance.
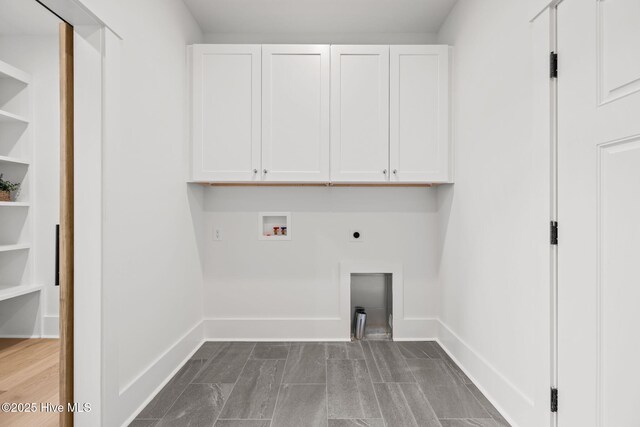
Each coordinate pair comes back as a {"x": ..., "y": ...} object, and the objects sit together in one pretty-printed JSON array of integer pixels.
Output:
[
  {"x": 554, "y": 232},
  {"x": 553, "y": 65},
  {"x": 554, "y": 400}
]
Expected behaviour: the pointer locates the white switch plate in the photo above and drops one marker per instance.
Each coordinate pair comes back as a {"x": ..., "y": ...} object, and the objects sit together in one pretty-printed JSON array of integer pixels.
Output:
[
  {"x": 352, "y": 238},
  {"x": 217, "y": 234}
]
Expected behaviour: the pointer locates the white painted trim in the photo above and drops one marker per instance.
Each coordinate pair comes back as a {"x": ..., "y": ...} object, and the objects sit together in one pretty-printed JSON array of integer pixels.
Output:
[
  {"x": 495, "y": 386},
  {"x": 416, "y": 329},
  {"x": 268, "y": 329},
  {"x": 88, "y": 273},
  {"x": 536, "y": 12},
  {"x": 78, "y": 13},
  {"x": 140, "y": 391},
  {"x": 111, "y": 132},
  {"x": 397, "y": 290},
  {"x": 304, "y": 329},
  {"x": 51, "y": 326}
]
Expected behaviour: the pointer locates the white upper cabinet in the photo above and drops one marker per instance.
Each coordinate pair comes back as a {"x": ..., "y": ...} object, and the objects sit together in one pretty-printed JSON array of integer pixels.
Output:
[
  {"x": 319, "y": 113},
  {"x": 360, "y": 113},
  {"x": 226, "y": 113},
  {"x": 295, "y": 113},
  {"x": 419, "y": 114}
]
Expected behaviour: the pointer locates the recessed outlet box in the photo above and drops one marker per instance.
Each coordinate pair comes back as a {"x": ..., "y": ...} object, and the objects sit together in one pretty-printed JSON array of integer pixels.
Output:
[
  {"x": 356, "y": 235},
  {"x": 274, "y": 226}
]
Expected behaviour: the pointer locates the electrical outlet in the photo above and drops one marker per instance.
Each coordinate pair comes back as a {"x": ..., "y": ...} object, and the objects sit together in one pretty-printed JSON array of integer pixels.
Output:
[
  {"x": 356, "y": 236},
  {"x": 217, "y": 234}
]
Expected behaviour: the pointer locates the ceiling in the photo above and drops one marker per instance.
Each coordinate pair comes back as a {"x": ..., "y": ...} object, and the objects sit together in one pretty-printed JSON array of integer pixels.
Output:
[
  {"x": 319, "y": 16},
  {"x": 26, "y": 17}
]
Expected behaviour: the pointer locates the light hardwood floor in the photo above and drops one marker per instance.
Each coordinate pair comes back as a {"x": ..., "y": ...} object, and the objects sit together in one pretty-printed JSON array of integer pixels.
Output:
[{"x": 29, "y": 374}]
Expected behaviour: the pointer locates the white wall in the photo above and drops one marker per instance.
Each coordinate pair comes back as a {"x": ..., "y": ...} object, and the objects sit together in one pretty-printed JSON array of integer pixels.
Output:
[
  {"x": 494, "y": 221},
  {"x": 38, "y": 55},
  {"x": 491, "y": 263},
  {"x": 153, "y": 221},
  {"x": 249, "y": 282},
  {"x": 152, "y": 280},
  {"x": 323, "y": 38}
]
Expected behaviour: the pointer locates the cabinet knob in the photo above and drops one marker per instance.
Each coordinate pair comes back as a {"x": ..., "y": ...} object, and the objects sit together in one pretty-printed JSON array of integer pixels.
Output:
[
  {"x": 265, "y": 171},
  {"x": 255, "y": 171},
  {"x": 395, "y": 171},
  {"x": 384, "y": 171}
]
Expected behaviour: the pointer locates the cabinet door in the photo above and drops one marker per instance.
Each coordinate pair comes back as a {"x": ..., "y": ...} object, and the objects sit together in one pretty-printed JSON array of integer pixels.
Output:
[
  {"x": 295, "y": 113},
  {"x": 226, "y": 113},
  {"x": 419, "y": 114},
  {"x": 359, "y": 113}
]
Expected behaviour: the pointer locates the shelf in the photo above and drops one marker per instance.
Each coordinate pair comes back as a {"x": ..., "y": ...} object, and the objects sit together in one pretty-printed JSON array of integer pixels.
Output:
[
  {"x": 13, "y": 160},
  {"x": 11, "y": 248},
  {"x": 15, "y": 204},
  {"x": 6, "y": 117},
  {"x": 16, "y": 291},
  {"x": 10, "y": 72}
]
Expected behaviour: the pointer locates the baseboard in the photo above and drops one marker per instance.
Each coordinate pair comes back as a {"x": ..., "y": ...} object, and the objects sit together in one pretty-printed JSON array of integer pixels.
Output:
[
  {"x": 259, "y": 329},
  {"x": 305, "y": 329},
  {"x": 139, "y": 392},
  {"x": 416, "y": 329},
  {"x": 508, "y": 399},
  {"x": 50, "y": 326},
  {"x": 513, "y": 404},
  {"x": 415, "y": 339}
]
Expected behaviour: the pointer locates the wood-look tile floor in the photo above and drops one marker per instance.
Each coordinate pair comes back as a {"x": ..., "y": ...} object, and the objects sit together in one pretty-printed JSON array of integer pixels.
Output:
[
  {"x": 368, "y": 383},
  {"x": 29, "y": 374}
]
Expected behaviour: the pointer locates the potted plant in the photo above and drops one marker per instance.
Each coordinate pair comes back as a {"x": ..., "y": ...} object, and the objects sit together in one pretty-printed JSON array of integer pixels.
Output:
[{"x": 6, "y": 188}]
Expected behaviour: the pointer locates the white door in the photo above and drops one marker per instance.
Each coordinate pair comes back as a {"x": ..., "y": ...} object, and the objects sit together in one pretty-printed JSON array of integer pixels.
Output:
[
  {"x": 359, "y": 113},
  {"x": 599, "y": 213},
  {"x": 419, "y": 114},
  {"x": 226, "y": 113},
  {"x": 295, "y": 113}
]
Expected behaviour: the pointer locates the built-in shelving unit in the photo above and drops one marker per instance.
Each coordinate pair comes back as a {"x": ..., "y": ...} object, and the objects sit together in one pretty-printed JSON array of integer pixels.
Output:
[
  {"x": 6, "y": 116},
  {"x": 16, "y": 154},
  {"x": 16, "y": 247},
  {"x": 14, "y": 161},
  {"x": 16, "y": 291},
  {"x": 15, "y": 204},
  {"x": 10, "y": 72}
]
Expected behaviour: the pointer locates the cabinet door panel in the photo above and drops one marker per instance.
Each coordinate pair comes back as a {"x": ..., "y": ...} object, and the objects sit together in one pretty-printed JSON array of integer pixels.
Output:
[
  {"x": 295, "y": 112},
  {"x": 359, "y": 113},
  {"x": 419, "y": 114},
  {"x": 226, "y": 112}
]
